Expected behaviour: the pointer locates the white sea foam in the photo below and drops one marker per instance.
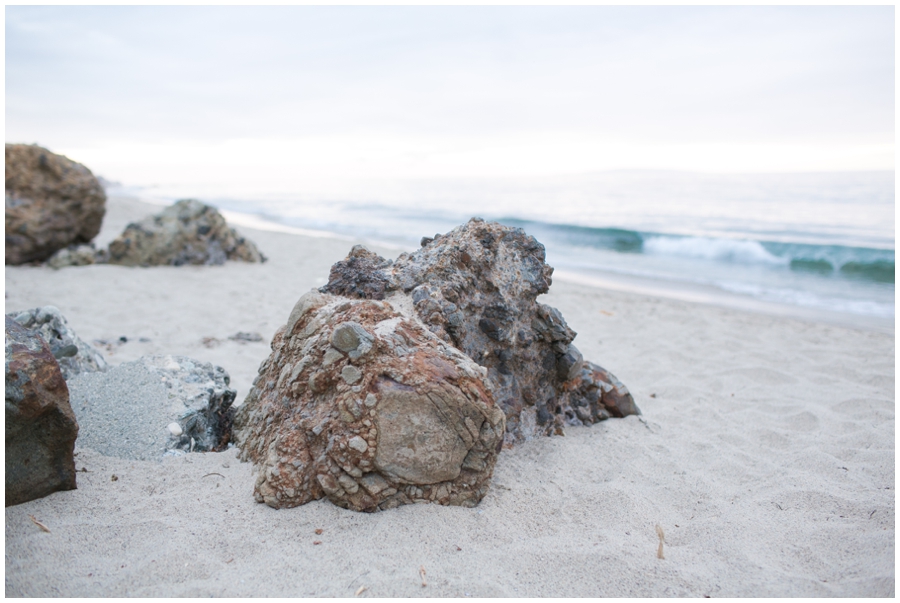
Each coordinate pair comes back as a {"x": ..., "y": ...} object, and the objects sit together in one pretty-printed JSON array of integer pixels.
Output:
[{"x": 726, "y": 250}]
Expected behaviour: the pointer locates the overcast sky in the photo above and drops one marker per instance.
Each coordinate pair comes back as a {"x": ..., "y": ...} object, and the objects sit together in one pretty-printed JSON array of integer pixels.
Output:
[{"x": 179, "y": 93}]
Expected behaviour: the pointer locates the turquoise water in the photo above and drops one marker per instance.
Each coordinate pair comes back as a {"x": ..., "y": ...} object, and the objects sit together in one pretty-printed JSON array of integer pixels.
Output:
[{"x": 817, "y": 241}]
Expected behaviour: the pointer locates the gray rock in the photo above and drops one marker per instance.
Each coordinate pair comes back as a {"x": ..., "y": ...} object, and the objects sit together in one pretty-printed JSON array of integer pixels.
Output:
[
  {"x": 73, "y": 354},
  {"x": 51, "y": 202},
  {"x": 129, "y": 410},
  {"x": 242, "y": 337},
  {"x": 40, "y": 425},
  {"x": 188, "y": 232},
  {"x": 411, "y": 420},
  {"x": 476, "y": 288},
  {"x": 77, "y": 255}
]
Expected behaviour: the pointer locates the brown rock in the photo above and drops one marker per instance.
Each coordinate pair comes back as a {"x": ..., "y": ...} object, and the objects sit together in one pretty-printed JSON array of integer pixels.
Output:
[
  {"x": 359, "y": 402},
  {"x": 40, "y": 425},
  {"x": 476, "y": 288},
  {"x": 51, "y": 203},
  {"x": 187, "y": 232}
]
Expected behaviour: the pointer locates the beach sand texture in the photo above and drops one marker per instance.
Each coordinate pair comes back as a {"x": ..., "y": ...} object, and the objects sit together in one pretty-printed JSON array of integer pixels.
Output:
[{"x": 765, "y": 453}]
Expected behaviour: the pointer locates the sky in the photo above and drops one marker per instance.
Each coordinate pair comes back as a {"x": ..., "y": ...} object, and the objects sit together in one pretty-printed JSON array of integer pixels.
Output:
[{"x": 328, "y": 98}]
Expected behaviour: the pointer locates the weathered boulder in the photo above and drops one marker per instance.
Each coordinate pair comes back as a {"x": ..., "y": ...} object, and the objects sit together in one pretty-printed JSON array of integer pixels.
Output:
[
  {"x": 71, "y": 352},
  {"x": 153, "y": 406},
  {"x": 476, "y": 288},
  {"x": 187, "y": 232},
  {"x": 51, "y": 202},
  {"x": 40, "y": 425},
  {"x": 359, "y": 402}
]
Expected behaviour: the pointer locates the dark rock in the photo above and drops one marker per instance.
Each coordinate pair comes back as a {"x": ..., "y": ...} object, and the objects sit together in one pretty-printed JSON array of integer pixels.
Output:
[
  {"x": 71, "y": 352},
  {"x": 362, "y": 275},
  {"x": 359, "y": 402},
  {"x": 188, "y": 232},
  {"x": 51, "y": 203},
  {"x": 476, "y": 288},
  {"x": 40, "y": 425},
  {"x": 242, "y": 337}
]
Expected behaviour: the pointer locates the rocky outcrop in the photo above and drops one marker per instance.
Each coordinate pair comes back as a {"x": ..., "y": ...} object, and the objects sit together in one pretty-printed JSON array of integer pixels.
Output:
[
  {"x": 476, "y": 289},
  {"x": 153, "y": 406},
  {"x": 40, "y": 425},
  {"x": 51, "y": 203},
  {"x": 360, "y": 403},
  {"x": 71, "y": 352},
  {"x": 188, "y": 232}
]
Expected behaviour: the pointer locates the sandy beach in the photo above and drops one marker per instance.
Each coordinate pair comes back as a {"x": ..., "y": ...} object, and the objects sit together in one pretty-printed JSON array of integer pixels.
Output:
[{"x": 765, "y": 453}]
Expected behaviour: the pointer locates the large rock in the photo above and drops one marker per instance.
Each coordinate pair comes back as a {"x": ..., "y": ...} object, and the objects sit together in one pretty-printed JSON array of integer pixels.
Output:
[
  {"x": 476, "y": 288},
  {"x": 188, "y": 232},
  {"x": 71, "y": 352},
  {"x": 51, "y": 202},
  {"x": 359, "y": 402},
  {"x": 40, "y": 425},
  {"x": 153, "y": 406}
]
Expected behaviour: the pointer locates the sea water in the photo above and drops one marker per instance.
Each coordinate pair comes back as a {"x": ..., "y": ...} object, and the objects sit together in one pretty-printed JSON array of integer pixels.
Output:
[{"x": 816, "y": 242}]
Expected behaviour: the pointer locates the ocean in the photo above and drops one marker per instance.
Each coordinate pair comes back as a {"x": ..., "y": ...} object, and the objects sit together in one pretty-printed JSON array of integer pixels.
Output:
[{"x": 796, "y": 244}]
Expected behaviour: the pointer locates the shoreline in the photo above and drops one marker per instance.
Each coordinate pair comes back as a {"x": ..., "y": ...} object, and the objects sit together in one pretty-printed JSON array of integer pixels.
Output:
[
  {"x": 765, "y": 452},
  {"x": 597, "y": 278}
]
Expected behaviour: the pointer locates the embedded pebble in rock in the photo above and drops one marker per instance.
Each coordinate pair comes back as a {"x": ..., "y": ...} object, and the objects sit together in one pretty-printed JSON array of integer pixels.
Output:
[
  {"x": 408, "y": 419},
  {"x": 71, "y": 352},
  {"x": 476, "y": 288}
]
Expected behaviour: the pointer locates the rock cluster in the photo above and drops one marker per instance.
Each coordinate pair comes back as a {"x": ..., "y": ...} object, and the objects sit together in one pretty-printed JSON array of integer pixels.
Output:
[
  {"x": 40, "y": 425},
  {"x": 359, "y": 402},
  {"x": 71, "y": 352},
  {"x": 153, "y": 406},
  {"x": 187, "y": 232},
  {"x": 476, "y": 288},
  {"x": 51, "y": 202}
]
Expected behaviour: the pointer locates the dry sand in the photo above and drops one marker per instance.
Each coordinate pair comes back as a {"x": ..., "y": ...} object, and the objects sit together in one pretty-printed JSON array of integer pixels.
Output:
[{"x": 765, "y": 453}]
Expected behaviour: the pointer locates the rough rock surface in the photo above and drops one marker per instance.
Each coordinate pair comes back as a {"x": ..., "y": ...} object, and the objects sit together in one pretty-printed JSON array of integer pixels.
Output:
[
  {"x": 40, "y": 425},
  {"x": 476, "y": 288},
  {"x": 71, "y": 352},
  {"x": 153, "y": 406},
  {"x": 187, "y": 232},
  {"x": 51, "y": 202},
  {"x": 361, "y": 403}
]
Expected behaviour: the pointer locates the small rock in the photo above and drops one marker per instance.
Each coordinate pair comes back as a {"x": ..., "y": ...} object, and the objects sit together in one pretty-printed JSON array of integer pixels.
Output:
[
  {"x": 351, "y": 374},
  {"x": 358, "y": 444},
  {"x": 76, "y": 255},
  {"x": 40, "y": 425},
  {"x": 157, "y": 404},
  {"x": 73, "y": 354},
  {"x": 188, "y": 232},
  {"x": 242, "y": 337}
]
